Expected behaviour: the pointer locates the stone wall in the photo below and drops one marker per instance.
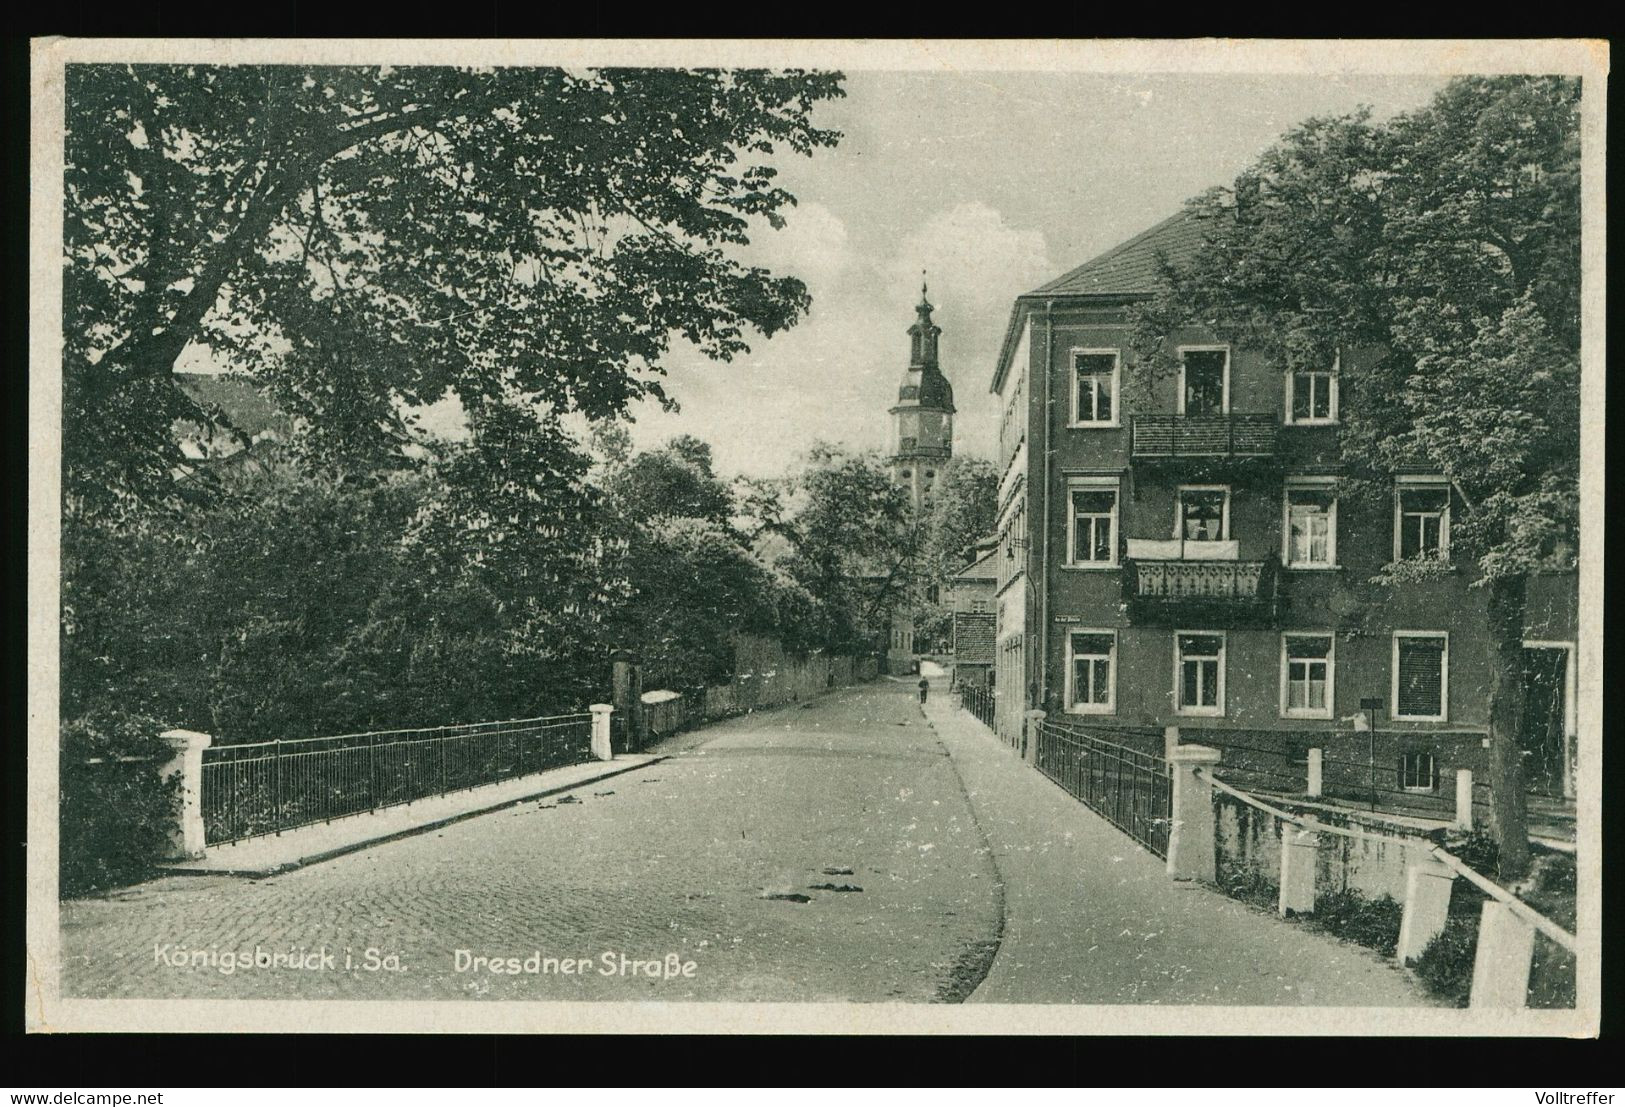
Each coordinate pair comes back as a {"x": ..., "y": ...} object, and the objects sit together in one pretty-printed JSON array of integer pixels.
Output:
[
  {"x": 765, "y": 675},
  {"x": 1248, "y": 841}
]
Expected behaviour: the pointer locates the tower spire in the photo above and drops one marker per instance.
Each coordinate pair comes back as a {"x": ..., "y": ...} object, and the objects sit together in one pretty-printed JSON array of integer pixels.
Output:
[{"x": 923, "y": 348}]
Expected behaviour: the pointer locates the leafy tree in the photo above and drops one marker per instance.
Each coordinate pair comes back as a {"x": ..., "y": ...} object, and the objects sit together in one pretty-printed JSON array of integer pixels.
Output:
[
  {"x": 1447, "y": 239},
  {"x": 697, "y": 586},
  {"x": 847, "y": 539},
  {"x": 962, "y": 511},
  {"x": 675, "y": 481},
  {"x": 356, "y": 239}
]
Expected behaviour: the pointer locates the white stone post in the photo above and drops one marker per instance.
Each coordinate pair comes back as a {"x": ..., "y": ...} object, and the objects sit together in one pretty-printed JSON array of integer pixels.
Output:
[
  {"x": 1427, "y": 906},
  {"x": 1317, "y": 776},
  {"x": 1298, "y": 850},
  {"x": 186, "y": 834},
  {"x": 1029, "y": 750},
  {"x": 1501, "y": 968},
  {"x": 1170, "y": 742},
  {"x": 601, "y": 747},
  {"x": 1464, "y": 799},
  {"x": 1191, "y": 835}
]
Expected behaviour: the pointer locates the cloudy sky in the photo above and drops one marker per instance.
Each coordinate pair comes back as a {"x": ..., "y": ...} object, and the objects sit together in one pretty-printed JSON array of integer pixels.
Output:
[{"x": 992, "y": 183}]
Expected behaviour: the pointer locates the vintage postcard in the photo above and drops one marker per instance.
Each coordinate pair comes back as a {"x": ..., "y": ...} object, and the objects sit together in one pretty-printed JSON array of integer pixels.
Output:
[{"x": 838, "y": 537}]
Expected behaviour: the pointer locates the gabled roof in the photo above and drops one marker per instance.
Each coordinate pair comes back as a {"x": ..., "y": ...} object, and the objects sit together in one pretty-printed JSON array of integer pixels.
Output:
[
  {"x": 1130, "y": 268},
  {"x": 980, "y": 569},
  {"x": 243, "y": 403}
]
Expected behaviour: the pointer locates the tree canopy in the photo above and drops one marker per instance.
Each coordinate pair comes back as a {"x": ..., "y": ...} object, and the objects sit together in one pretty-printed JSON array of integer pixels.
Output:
[
  {"x": 1447, "y": 242},
  {"x": 1449, "y": 239},
  {"x": 359, "y": 240}
]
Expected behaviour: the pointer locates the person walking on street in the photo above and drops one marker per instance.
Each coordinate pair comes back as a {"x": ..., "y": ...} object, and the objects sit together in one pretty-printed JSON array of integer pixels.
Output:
[{"x": 925, "y": 686}]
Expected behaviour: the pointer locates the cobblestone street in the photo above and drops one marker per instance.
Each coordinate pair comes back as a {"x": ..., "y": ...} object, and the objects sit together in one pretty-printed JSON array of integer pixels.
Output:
[{"x": 851, "y": 791}]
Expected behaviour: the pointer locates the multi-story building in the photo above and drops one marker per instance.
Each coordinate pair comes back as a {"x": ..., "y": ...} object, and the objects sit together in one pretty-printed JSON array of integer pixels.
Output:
[{"x": 1174, "y": 550}]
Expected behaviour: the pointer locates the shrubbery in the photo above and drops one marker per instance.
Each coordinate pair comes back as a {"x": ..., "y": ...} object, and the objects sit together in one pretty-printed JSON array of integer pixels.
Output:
[{"x": 116, "y": 812}]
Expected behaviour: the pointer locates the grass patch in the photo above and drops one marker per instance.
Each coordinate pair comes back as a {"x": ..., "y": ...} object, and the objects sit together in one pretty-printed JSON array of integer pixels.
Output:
[
  {"x": 1248, "y": 885},
  {"x": 1373, "y": 923}
]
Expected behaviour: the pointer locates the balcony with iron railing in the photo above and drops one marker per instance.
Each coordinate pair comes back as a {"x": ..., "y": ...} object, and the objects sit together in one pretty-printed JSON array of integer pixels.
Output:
[
  {"x": 1197, "y": 592},
  {"x": 1231, "y": 436}
]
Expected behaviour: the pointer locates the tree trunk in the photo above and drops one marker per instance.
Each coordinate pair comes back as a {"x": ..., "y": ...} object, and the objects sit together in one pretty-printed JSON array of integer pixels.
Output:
[{"x": 1509, "y": 817}]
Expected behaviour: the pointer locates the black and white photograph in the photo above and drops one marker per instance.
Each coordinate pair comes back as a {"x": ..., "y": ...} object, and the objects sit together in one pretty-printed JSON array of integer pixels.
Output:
[{"x": 839, "y": 537}]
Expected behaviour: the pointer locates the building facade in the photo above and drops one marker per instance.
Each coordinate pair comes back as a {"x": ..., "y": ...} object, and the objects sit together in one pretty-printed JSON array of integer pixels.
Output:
[
  {"x": 970, "y": 599},
  {"x": 1181, "y": 550}
]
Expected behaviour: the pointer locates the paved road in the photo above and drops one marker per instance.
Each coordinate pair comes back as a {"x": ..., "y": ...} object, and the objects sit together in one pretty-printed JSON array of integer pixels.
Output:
[
  {"x": 955, "y": 856},
  {"x": 674, "y": 859}
]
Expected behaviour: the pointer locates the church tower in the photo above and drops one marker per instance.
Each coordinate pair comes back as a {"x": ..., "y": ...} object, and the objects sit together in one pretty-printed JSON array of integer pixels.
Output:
[{"x": 923, "y": 419}]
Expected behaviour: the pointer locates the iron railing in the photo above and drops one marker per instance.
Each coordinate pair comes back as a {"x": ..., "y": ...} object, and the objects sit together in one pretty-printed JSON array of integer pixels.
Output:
[
  {"x": 1168, "y": 437},
  {"x": 1131, "y": 790},
  {"x": 979, "y": 702},
  {"x": 268, "y": 787}
]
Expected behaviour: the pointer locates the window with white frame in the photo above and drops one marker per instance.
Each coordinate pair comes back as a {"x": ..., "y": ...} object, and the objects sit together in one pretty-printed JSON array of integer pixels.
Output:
[
  {"x": 1091, "y": 672},
  {"x": 1418, "y": 772},
  {"x": 1204, "y": 380},
  {"x": 1094, "y": 387},
  {"x": 1307, "y": 676},
  {"x": 1311, "y": 395},
  {"x": 1204, "y": 513},
  {"x": 1311, "y": 526},
  {"x": 1421, "y": 675},
  {"x": 1092, "y": 522},
  {"x": 1199, "y": 673},
  {"x": 1422, "y": 520}
]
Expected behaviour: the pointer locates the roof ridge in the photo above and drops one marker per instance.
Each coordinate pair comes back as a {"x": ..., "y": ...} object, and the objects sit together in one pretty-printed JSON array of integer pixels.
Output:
[{"x": 1182, "y": 215}]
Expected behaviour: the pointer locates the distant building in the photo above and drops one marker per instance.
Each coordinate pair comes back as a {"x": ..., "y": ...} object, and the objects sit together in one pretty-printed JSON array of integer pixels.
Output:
[
  {"x": 251, "y": 423},
  {"x": 970, "y": 597},
  {"x": 1173, "y": 550}
]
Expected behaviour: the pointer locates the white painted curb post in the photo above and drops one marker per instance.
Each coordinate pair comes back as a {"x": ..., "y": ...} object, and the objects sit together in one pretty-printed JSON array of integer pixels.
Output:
[
  {"x": 1191, "y": 835},
  {"x": 1501, "y": 968},
  {"x": 1464, "y": 799},
  {"x": 186, "y": 835},
  {"x": 1316, "y": 783},
  {"x": 1427, "y": 906},
  {"x": 601, "y": 748},
  {"x": 1298, "y": 851}
]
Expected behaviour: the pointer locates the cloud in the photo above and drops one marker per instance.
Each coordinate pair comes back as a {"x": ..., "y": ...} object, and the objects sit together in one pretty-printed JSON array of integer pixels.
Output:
[
  {"x": 975, "y": 260},
  {"x": 811, "y": 245},
  {"x": 834, "y": 375}
]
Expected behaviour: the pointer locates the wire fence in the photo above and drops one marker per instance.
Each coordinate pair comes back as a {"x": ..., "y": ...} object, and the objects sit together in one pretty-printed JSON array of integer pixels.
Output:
[{"x": 268, "y": 787}]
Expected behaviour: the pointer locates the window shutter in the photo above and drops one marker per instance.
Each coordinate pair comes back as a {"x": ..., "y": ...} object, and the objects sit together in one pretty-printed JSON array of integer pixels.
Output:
[{"x": 1421, "y": 671}]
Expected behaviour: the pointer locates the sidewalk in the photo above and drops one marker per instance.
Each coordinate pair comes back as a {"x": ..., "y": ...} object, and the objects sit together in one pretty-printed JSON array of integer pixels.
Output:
[
  {"x": 1090, "y": 917},
  {"x": 269, "y": 854}
]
